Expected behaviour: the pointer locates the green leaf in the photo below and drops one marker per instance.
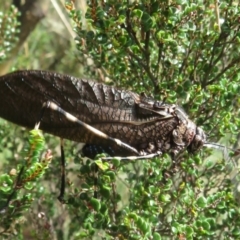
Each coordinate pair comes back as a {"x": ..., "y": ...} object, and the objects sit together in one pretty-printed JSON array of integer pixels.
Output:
[
  {"x": 142, "y": 225},
  {"x": 102, "y": 165},
  {"x": 116, "y": 162},
  {"x": 156, "y": 236},
  {"x": 147, "y": 21},
  {"x": 189, "y": 231},
  {"x": 111, "y": 174},
  {"x": 105, "y": 191},
  {"x": 201, "y": 202},
  {"x": 165, "y": 198},
  {"x": 96, "y": 204},
  {"x": 137, "y": 13},
  {"x": 206, "y": 226}
]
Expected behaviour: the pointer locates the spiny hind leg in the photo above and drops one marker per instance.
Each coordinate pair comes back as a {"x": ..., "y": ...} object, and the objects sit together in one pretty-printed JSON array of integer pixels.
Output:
[
  {"x": 70, "y": 117},
  {"x": 53, "y": 106}
]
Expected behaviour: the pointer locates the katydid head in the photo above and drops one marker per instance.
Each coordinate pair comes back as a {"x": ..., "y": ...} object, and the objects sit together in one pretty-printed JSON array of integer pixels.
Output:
[
  {"x": 189, "y": 135},
  {"x": 198, "y": 141}
]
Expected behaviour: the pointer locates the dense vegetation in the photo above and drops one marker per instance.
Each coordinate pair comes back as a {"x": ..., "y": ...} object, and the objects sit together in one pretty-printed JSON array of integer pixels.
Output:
[{"x": 184, "y": 52}]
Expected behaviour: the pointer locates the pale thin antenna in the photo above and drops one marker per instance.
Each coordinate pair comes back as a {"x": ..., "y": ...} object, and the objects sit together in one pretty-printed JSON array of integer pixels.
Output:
[
  {"x": 216, "y": 146},
  {"x": 224, "y": 149},
  {"x": 231, "y": 165}
]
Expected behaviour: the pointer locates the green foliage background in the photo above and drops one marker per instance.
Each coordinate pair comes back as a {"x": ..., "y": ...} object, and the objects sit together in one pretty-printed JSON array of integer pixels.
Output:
[{"x": 184, "y": 52}]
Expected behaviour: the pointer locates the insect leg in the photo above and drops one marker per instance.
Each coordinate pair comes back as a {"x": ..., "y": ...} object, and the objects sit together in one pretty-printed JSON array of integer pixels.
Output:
[
  {"x": 143, "y": 157},
  {"x": 95, "y": 131},
  {"x": 70, "y": 117},
  {"x": 63, "y": 172},
  {"x": 95, "y": 180},
  {"x": 45, "y": 105}
]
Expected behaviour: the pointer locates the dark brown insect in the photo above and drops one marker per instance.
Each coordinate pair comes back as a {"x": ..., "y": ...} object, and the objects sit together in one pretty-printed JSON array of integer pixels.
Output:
[
  {"x": 104, "y": 117},
  {"x": 118, "y": 122}
]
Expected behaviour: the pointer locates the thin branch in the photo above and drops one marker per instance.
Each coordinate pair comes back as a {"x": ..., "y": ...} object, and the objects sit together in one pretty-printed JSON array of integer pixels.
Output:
[
  {"x": 63, "y": 18},
  {"x": 31, "y": 13},
  {"x": 146, "y": 52},
  {"x": 230, "y": 65},
  {"x": 217, "y": 12},
  {"x": 131, "y": 31},
  {"x": 145, "y": 67},
  {"x": 184, "y": 62}
]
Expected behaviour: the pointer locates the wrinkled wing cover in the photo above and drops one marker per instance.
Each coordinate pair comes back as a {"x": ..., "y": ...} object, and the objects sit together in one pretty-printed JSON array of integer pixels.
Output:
[{"x": 106, "y": 108}]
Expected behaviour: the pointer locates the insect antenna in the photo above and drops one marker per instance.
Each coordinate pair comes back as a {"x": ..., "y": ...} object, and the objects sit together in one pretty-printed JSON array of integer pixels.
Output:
[
  {"x": 224, "y": 149},
  {"x": 231, "y": 165},
  {"x": 216, "y": 146}
]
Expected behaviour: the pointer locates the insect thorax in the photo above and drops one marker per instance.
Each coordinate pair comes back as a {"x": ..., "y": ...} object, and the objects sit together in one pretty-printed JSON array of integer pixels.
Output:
[
  {"x": 176, "y": 132},
  {"x": 187, "y": 134}
]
